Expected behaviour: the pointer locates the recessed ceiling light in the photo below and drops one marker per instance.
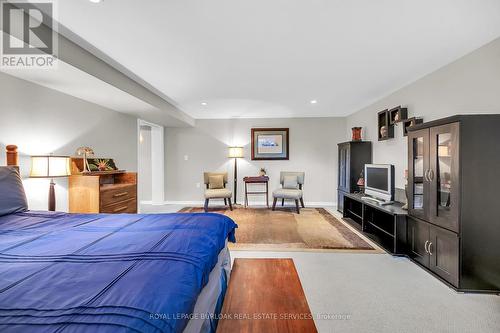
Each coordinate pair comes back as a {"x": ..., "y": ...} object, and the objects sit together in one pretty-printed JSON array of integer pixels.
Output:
[
  {"x": 313, "y": 101},
  {"x": 204, "y": 103},
  {"x": 95, "y": 1}
]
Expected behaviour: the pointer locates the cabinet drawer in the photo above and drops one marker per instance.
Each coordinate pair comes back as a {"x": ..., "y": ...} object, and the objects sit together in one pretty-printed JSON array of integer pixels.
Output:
[
  {"x": 128, "y": 206},
  {"x": 111, "y": 195}
]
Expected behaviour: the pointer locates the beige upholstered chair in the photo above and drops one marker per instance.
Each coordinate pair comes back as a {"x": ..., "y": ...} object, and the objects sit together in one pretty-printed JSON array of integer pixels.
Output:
[
  {"x": 216, "y": 189},
  {"x": 291, "y": 189}
]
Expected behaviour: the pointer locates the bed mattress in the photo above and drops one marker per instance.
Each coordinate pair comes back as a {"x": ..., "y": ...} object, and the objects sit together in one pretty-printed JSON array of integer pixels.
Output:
[{"x": 82, "y": 272}]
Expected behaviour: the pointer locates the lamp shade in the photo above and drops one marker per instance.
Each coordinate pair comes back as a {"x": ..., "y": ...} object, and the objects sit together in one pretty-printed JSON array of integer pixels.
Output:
[
  {"x": 49, "y": 166},
  {"x": 235, "y": 152}
]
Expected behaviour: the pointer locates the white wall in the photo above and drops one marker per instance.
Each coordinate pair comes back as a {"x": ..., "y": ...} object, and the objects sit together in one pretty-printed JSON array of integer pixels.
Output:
[
  {"x": 468, "y": 85},
  {"x": 41, "y": 121},
  {"x": 145, "y": 174},
  {"x": 313, "y": 149}
]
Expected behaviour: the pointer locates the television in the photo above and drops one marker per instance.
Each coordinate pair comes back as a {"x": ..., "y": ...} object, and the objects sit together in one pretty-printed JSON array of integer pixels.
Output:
[{"x": 379, "y": 181}]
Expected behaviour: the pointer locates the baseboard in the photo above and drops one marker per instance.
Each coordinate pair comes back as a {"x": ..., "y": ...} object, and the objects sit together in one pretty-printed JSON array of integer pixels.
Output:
[{"x": 251, "y": 203}]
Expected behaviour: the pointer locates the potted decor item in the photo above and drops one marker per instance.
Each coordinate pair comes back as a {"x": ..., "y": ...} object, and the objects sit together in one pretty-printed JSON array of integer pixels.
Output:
[
  {"x": 383, "y": 131},
  {"x": 361, "y": 183},
  {"x": 262, "y": 172},
  {"x": 356, "y": 133}
]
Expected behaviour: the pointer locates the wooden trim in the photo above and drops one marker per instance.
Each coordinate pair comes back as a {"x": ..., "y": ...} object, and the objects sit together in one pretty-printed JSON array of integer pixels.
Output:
[{"x": 286, "y": 130}]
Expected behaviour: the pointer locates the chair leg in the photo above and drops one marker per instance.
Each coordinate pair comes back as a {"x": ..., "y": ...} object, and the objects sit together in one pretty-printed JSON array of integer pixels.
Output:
[
  {"x": 225, "y": 201},
  {"x": 302, "y": 202},
  {"x": 206, "y": 205},
  {"x": 282, "y": 202},
  {"x": 274, "y": 203},
  {"x": 297, "y": 206},
  {"x": 230, "y": 205}
]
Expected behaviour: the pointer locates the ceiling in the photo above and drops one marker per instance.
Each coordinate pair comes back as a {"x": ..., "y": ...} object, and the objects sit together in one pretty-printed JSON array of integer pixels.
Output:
[{"x": 270, "y": 58}]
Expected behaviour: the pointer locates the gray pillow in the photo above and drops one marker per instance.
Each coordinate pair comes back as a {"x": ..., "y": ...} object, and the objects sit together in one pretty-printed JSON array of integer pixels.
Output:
[
  {"x": 290, "y": 182},
  {"x": 12, "y": 196}
]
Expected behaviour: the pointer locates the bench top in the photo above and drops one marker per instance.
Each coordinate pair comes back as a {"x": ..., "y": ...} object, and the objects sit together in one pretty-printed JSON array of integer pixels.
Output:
[{"x": 265, "y": 295}]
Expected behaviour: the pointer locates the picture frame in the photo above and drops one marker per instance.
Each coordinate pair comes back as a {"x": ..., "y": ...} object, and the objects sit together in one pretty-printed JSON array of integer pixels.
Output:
[{"x": 270, "y": 144}]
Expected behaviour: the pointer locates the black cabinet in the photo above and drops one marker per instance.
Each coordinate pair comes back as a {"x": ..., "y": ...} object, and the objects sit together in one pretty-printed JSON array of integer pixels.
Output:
[
  {"x": 435, "y": 248},
  {"x": 385, "y": 225},
  {"x": 417, "y": 241},
  {"x": 352, "y": 157},
  {"x": 453, "y": 228}
]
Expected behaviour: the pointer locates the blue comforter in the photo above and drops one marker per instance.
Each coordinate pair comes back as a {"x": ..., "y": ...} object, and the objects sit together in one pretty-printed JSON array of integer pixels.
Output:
[{"x": 105, "y": 273}]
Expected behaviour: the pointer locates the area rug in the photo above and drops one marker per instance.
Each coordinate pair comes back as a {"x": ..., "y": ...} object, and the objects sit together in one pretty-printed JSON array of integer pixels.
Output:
[{"x": 312, "y": 229}]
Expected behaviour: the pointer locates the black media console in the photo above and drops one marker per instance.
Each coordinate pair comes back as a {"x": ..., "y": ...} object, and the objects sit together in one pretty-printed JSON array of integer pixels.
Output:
[{"x": 384, "y": 224}]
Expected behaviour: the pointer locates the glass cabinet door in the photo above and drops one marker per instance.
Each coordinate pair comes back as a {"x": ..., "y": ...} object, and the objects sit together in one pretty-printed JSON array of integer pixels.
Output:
[
  {"x": 343, "y": 168},
  {"x": 444, "y": 175},
  {"x": 418, "y": 169}
]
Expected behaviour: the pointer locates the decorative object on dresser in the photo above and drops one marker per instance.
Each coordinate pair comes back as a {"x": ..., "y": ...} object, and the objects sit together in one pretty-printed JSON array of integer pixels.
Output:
[
  {"x": 85, "y": 152},
  {"x": 235, "y": 152},
  {"x": 356, "y": 133},
  {"x": 453, "y": 229},
  {"x": 50, "y": 166},
  {"x": 270, "y": 144},
  {"x": 262, "y": 172},
  {"x": 353, "y": 156},
  {"x": 256, "y": 180},
  {"x": 112, "y": 191}
]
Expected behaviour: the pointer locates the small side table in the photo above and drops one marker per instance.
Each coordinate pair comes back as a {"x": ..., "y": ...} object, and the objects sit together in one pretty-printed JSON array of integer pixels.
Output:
[{"x": 256, "y": 180}]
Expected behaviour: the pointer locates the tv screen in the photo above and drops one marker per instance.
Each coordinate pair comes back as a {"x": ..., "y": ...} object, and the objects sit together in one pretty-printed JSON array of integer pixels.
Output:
[{"x": 377, "y": 178}]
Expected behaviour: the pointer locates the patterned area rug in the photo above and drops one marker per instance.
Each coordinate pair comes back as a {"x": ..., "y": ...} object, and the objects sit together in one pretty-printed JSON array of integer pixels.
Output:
[{"x": 312, "y": 229}]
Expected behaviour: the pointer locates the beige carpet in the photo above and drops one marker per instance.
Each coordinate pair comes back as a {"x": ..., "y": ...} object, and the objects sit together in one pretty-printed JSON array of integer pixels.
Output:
[{"x": 312, "y": 229}]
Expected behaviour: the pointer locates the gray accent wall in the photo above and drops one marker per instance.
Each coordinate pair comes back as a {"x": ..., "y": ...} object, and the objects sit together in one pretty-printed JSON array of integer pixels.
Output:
[
  {"x": 467, "y": 86},
  {"x": 42, "y": 121},
  {"x": 313, "y": 149}
]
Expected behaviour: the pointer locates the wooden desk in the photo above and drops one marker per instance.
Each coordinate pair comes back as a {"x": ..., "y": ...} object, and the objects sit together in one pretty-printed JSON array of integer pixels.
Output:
[
  {"x": 265, "y": 295},
  {"x": 256, "y": 180}
]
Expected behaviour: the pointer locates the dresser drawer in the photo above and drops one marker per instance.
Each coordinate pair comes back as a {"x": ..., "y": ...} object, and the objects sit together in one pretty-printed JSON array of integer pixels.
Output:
[
  {"x": 111, "y": 195},
  {"x": 128, "y": 206}
]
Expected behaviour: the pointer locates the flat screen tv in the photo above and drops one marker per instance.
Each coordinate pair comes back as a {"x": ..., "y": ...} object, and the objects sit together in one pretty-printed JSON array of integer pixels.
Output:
[{"x": 379, "y": 181}]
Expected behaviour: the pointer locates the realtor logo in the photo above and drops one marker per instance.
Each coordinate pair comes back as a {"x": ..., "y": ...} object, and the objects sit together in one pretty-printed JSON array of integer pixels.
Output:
[{"x": 28, "y": 34}]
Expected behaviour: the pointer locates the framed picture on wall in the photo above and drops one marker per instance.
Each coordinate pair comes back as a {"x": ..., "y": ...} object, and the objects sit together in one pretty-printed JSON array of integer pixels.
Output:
[{"x": 270, "y": 144}]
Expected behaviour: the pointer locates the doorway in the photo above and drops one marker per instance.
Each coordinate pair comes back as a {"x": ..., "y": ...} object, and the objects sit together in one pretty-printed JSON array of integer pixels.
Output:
[{"x": 151, "y": 172}]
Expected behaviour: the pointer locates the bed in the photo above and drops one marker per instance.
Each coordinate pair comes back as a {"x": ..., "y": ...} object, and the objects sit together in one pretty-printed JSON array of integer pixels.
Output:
[{"x": 64, "y": 272}]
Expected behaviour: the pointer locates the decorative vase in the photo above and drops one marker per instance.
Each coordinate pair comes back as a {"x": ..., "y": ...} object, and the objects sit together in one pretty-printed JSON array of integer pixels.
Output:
[
  {"x": 383, "y": 131},
  {"x": 356, "y": 133},
  {"x": 397, "y": 117}
]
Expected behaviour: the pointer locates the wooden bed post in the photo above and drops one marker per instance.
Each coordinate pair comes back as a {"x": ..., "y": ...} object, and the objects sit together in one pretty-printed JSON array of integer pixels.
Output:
[{"x": 12, "y": 156}]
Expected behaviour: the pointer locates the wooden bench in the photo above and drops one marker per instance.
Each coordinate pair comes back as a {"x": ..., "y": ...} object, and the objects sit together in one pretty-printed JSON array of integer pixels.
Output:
[{"x": 265, "y": 295}]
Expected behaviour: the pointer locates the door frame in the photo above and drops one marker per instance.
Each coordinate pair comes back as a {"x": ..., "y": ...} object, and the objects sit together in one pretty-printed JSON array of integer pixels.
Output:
[{"x": 157, "y": 162}]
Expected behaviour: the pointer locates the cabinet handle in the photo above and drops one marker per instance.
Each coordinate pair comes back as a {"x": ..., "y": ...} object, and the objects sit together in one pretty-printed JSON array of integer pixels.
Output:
[
  {"x": 426, "y": 175},
  {"x": 119, "y": 209},
  {"x": 117, "y": 195},
  {"x": 425, "y": 246},
  {"x": 431, "y": 175},
  {"x": 430, "y": 251}
]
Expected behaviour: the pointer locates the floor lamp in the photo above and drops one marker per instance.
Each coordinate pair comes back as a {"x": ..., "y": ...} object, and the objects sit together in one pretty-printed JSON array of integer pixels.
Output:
[
  {"x": 50, "y": 166},
  {"x": 235, "y": 152}
]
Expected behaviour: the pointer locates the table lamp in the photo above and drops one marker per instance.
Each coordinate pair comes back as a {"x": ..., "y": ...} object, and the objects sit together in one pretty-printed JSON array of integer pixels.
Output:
[
  {"x": 49, "y": 166},
  {"x": 235, "y": 152}
]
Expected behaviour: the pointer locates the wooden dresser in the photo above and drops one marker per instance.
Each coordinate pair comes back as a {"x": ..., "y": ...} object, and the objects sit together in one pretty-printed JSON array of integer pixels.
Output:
[{"x": 111, "y": 192}]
